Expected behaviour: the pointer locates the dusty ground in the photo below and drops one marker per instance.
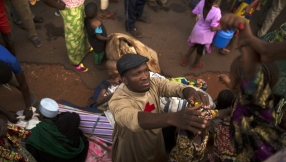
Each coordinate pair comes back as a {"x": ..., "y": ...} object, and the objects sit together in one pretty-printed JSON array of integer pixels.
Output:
[
  {"x": 58, "y": 83},
  {"x": 49, "y": 73}
]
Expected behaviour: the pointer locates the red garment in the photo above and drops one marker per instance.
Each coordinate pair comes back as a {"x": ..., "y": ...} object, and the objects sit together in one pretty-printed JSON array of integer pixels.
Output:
[
  {"x": 4, "y": 23},
  {"x": 222, "y": 144}
]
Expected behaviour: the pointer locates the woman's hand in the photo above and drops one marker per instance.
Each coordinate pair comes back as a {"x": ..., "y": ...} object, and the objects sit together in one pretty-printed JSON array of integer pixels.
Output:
[
  {"x": 247, "y": 10},
  {"x": 61, "y": 5}
]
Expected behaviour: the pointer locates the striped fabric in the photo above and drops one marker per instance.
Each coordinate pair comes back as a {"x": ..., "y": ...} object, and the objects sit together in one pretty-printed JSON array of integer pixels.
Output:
[{"x": 92, "y": 123}]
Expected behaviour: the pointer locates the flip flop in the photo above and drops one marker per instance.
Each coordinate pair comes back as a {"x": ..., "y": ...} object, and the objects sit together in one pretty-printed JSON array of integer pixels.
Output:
[
  {"x": 202, "y": 64},
  {"x": 81, "y": 68},
  {"x": 108, "y": 16},
  {"x": 153, "y": 5},
  {"x": 224, "y": 51},
  {"x": 183, "y": 62}
]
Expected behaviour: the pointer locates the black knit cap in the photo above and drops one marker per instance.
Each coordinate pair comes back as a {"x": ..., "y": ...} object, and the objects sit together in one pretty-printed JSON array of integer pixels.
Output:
[{"x": 130, "y": 61}]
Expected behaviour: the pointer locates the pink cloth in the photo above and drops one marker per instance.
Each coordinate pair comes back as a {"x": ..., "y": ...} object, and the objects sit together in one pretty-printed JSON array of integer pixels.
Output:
[
  {"x": 96, "y": 153},
  {"x": 73, "y": 3},
  {"x": 201, "y": 33}
]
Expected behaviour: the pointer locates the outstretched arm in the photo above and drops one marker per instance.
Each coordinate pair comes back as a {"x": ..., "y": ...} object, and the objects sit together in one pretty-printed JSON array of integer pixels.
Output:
[
  {"x": 24, "y": 88},
  {"x": 186, "y": 119},
  {"x": 58, "y": 5},
  {"x": 126, "y": 115},
  {"x": 268, "y": 52}
]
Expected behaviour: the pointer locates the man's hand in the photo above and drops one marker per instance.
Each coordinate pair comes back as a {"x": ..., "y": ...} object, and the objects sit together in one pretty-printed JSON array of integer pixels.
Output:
[
  {"x": 28, "y": 114},
  {"x": 12, "y": 117},
  {"x": 3, "y": 128},
  {"x": 192, "y": 96},
  {"x": 187, "y": 119}
]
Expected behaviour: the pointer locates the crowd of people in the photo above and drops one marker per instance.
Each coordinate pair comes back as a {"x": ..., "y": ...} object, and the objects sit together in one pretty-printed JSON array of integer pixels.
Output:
[{"x": 245, "y": 123}]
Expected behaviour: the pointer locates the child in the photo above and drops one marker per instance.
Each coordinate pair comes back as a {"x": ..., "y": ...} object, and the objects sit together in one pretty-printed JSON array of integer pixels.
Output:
[
  {"x": 97, "y": 35},
  {"x": 203, "y": 32},
  {"x": 105, "y": 90}
]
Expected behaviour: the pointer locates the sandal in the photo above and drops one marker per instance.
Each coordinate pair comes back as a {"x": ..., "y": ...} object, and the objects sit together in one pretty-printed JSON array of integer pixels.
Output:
[
  {"x": 202, "y": 64},
  {"x": 153, "y": 5},
  {"x": 135, "y": 33},
  {"x": 108, "y": 16},
  {"x": 81, "y": 68},
  {"x": 164, "y": 6},
  {"x": 38, "y": 19},
  {"x": 224, "y": 51},
  {"x": 37, "y": 42},
  {"x": 184, "y": 61},
  {"x": 90, "y": 49}
]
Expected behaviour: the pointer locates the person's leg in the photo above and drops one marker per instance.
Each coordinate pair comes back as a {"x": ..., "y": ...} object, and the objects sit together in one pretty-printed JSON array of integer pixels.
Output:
[
  {"x": 104, "y": 13},
  {"x": 139, "y": 11},
  {"x": 229, "y": 47},
  {"x": 98, "y": 57},
  {"x": 197, "y": 64},
  {"x": 276, "y": 8},
  {"x": 264, "y": 12},
  {"x": 186, "y": 58},
  {"x": 131, "y": 16},
  {"x": 7, "y": 5},
  {"x": 13, "y": 82},
  {"x": 218, "y": 2},
  {"x": 23, "y": 8},
  {"x": 8, "y": 38},
  {"x": 5, "y": 30},
  {"x": 130, "y": 12},
  {"x": 15, "y": 15}
]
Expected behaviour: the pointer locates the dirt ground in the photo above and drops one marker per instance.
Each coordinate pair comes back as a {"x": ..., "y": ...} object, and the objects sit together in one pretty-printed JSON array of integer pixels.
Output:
[
  {"x": 55, "y": 82},
  {"x": 49, "y": 73}
]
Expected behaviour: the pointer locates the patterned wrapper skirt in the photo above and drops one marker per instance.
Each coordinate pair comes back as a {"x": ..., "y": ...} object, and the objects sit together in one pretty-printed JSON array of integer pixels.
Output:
[{"x": 75, "y": 35}]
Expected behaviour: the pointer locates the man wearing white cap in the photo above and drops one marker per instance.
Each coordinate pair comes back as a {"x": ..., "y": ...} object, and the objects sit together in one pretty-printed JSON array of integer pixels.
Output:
[{"x": 57, "y": 137}]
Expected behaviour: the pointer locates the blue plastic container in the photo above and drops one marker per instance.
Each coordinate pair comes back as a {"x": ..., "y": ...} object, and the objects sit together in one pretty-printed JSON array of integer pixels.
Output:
[{"x": 222, "y": 38}]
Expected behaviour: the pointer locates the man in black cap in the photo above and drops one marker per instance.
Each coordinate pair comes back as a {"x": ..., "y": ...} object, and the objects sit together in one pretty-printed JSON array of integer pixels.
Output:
[{"x": 137, "y": 134}]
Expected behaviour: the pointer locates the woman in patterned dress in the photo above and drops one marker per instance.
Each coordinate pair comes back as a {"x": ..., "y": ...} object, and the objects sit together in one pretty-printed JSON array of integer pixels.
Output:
[
  {"x": 77, "y": 44},
  {"x": 254, "y": 131}
]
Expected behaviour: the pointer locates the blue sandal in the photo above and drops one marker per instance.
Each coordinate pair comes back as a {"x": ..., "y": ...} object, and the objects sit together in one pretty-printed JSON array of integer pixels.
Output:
[{"x": 37, "y": 42}]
